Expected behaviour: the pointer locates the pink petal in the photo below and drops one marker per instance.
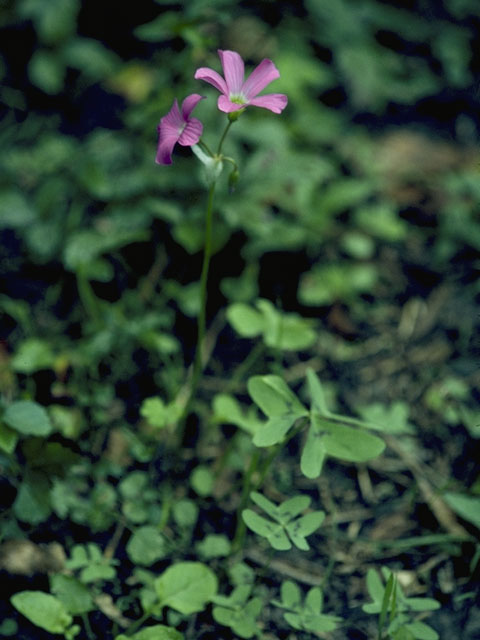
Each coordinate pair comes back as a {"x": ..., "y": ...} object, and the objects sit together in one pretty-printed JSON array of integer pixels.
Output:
[
  {"x": 166, "y": 143},
  {"x": 275, "y": 102},
  {"x": 233, "y": 70},
  {"x": 212, "y": 77},
  {"x": 173, "y": 119},
  {"x": 260, "y": 77},
  {"x": 189, "y": 104},
  {"x": 225, "y": 105},
  {"x": 191, "y": 134}
]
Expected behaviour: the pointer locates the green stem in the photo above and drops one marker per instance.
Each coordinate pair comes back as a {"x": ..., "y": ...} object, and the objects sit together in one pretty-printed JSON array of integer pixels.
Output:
[
  {"x": 88, "y": 298},
  {"x": 138, "y": 623},
  {"x": 220, "y": 144},
  {"x": 201, "y": 321}
]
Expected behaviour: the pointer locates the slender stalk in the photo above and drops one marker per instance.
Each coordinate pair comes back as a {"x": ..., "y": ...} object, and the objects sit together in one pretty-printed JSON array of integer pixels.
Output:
[
  {"x": 202, "y": 314},
  {"x": 220, "y": 144}
]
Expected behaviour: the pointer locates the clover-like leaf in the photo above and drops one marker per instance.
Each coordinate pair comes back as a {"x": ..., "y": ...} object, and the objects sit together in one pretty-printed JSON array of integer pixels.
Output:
[{"x": 274, "y": 397}]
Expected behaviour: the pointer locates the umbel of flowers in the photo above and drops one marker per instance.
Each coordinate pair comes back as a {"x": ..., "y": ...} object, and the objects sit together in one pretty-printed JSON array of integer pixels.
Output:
[{"x": 236, "y": 94}]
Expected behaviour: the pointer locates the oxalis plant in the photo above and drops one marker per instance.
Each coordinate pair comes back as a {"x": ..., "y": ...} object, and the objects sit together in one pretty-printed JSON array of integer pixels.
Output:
[{"x": 222, "y": 583}]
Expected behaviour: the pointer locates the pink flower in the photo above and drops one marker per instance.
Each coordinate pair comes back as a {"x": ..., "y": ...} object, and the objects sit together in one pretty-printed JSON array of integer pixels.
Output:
[
  {"x": 237, "y": 94},
  {"x": 178, "y": 127}
]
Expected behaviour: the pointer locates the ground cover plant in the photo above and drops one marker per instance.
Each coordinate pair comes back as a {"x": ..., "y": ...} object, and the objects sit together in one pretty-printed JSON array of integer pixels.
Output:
[{"x": 239, "y": 356}]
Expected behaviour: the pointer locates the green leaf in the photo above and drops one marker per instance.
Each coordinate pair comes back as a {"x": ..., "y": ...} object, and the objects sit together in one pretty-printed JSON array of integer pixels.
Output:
[
  {"x": 291, "y": 595},
  {"x": 246, "y": 321},
  {"x": 157, "y": 632},
  {"x": 74, "y": 595},
  {"x": 422, "y": 631},
  {"x": 8, "y": 439},
  {"x": 285, "y": 330},
  {"x": 316, "y": 393},
  {"x": 43, "y": 609},
  {"x": 228, "y": 410},
  {"x": 274, "y": 533},
  {"x": 46, "y": 71},
  {"x": 274, "y": 397},
  {"x": 467, "y": 507},
  {"x": 146, "y": 546},
  {"x": 393, "y": 419},
  {"x": 186, "y": 587},
  {"x": 32, "y": 503},
  {"x": 347, "y": 443},
  {"x": 28, "y": 418},
  {"x": 33, "y": 355},
  {"x": 292, "y": 507},
  {"x": 264, "y": 503},
  {"x": 274, "y": 430},
  {"x": 314, "y": 451},
  {"x": 304, "y": 526},
  {"x": 202, "y": 481},
  {"x": 214, "y": 546}
]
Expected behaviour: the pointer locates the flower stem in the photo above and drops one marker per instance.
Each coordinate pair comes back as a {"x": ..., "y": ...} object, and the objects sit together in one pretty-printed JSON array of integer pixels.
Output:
[
  {"x": 202, "y": 313},
  {"x": 220, "y": 144}
]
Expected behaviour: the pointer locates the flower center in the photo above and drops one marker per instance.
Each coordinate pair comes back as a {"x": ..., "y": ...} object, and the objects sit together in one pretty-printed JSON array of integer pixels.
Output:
[{"x": 237, "y": 98}]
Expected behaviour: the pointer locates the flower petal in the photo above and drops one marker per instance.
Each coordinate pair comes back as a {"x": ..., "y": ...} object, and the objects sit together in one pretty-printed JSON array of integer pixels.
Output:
[
  {"x": 166, "y": 143},
  {"x": 227, "y": 106},
  {"x": 275, "y": 102},
  {"x": 189, "y": 104},
  {"x": 191, "y": 134},
  {"x": 233, "y": 70},
  {"x": 173, "y": 120},
  {"x": 260, "y": 77},
  {"x": 212, "y": 77}
]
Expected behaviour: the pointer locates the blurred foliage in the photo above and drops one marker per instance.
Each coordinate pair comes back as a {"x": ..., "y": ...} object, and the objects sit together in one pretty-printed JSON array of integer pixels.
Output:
[{"x": 99, "y": 248}]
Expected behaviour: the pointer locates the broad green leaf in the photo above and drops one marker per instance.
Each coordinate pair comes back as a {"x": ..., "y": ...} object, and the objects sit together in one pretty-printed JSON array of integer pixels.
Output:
[
  {"x": 246, "y": 321},
  {"x": 74, "y": 595},
  {"x": 467, "y": 507},
  {"x": 274, "y": 430},
  {"x": 43, "y": 609},
  {"x": 157, "y": 632},
  {"x": 146, "y": 546},
  {"x": 28, "y": 418},
  {"x": 186, "y": 587},
  {"x": 274, "y": 397}
]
